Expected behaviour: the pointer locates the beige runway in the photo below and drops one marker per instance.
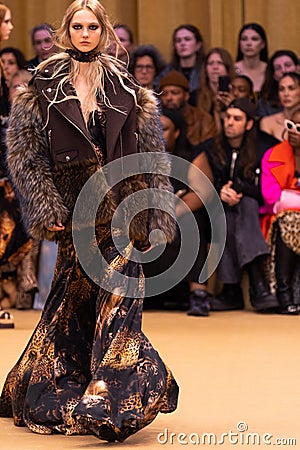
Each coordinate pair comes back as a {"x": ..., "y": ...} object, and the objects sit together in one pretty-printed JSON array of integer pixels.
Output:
[{"x": 238, "y": 374}]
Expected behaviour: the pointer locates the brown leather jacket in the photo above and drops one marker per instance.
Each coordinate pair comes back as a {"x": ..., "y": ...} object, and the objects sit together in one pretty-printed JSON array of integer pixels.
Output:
[
  {"x": 66, "y": 130},
  {"x": 51, "y": 156}
]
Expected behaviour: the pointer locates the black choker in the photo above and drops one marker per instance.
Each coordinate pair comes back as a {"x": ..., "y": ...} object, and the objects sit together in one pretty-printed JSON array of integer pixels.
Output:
[{"x": 83, "y": 56}]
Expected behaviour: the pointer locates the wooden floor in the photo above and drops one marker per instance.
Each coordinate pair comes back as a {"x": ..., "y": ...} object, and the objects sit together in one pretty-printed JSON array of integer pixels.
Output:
[{"x": 235, "y": 370}]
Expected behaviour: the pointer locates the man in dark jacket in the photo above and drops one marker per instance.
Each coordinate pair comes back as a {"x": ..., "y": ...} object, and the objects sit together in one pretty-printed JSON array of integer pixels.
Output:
[{"x": 235, "y": 155}]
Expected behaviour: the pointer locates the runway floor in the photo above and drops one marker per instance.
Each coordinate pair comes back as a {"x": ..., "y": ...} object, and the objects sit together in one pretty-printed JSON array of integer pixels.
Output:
[{"x": 238, "y": 374}]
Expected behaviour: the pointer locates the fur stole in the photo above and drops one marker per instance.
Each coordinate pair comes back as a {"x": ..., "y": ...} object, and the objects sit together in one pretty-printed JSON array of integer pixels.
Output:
[
  {"x": 157, "y": 169},
  {"x": 29, "y": 167}
]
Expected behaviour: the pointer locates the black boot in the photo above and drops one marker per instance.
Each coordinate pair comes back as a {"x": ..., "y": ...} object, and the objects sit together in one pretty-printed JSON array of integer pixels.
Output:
[
  {"x": 285, "y": 264},
  {"x": 199, "y": 303},
  {"x": 260, "y": 296},
  {"x": 229, "y": 299}
]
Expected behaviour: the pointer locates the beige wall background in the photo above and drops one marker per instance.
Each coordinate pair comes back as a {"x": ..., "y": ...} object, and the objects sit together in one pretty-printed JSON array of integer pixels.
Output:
[{"x": 153, "y": 21}]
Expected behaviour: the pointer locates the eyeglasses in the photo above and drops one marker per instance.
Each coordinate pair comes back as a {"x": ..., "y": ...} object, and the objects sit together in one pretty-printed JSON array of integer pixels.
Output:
[
  {"x": 291, "y": 126},
  {"x": 147, "y": 68}
]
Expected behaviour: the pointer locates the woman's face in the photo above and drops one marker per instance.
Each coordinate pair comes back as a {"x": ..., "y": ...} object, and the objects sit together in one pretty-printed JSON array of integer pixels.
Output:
[
  {"x": 240, "y": 88},
  {"x": 144, "y": 70},
  {"x": 215, "y": 68},
  {"x": 251, "y": 44},
  {"x": 123, "y": 36},
  {"x": 6, "y": 26},
  {"x": 185, "y": 43},
  {"x": 43, "y": 44},
  {"x": 289, "y": 92},
  {"x": 293, "y": 136},
  {"x": 281, "y": 65},
  {"x": 15, "y": 83},
  {"x": 170, "y": 133},
  {"x": 85, "y": 30},
  {"x": 9, "y": 64}
]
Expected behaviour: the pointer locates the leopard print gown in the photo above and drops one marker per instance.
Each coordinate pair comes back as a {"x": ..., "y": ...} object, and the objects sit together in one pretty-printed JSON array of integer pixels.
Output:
[{"x": 88, "y": 368}]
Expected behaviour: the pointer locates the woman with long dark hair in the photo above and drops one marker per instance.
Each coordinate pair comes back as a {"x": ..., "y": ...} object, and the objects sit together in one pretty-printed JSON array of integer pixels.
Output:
[
  {"x": 12, "y": 60},
  {"x": 218, "y": 62},
  {"x": 289, "y": 97},
  {"x": 281, "y": 62},
  {"x": 252, "y": 54},
  {"x": 187, "y": 56}
]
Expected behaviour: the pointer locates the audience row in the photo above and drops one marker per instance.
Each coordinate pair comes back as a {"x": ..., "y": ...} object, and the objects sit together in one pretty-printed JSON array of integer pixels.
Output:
[{"x": 227, "y": 119}]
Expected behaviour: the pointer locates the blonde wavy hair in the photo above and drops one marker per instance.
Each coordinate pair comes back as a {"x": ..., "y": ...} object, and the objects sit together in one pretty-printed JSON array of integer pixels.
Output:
[{"x": 104, "y": 64}]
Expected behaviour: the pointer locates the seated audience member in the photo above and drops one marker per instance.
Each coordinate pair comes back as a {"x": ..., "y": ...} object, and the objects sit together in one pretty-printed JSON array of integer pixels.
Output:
[
  {"x": 218, "y": 62},
  {"x": 281, "y": 214},
  {"x": 252, "y": 54},
  {"x": 19, "y": 78},
  {"x": 184, "y": 182},
  {"x": 234, "y": 156},
  {"x": 240, "y": 86},
  {"x": 18, "y": 281},
  {"x": 126, "y": 48},
  {"x": 281, "y": 62},
  {"x": 12, "y": 60},
  {"x": 187, "y": 57},
  {"x": 289, "y": 98},
  {"x": 175, "y": 95},
  {"x": 40, "y": 261},
  {"x": 42, "y": 43},
  {"x": 145, "y": 64},
  {"x": 18, "y": 254}
]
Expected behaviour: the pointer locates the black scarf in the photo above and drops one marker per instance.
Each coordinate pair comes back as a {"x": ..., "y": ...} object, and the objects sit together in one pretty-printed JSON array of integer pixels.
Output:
[{"x": 83, "y": 56}]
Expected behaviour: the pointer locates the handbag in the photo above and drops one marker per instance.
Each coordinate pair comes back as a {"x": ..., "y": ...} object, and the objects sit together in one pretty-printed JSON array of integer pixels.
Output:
[{"x": 289, "y": 199}]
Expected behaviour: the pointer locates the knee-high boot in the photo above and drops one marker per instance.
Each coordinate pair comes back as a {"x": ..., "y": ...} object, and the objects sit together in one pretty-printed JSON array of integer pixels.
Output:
[
  {"x": 285, "y": 265},
  {"x": 260, "y": 295}
]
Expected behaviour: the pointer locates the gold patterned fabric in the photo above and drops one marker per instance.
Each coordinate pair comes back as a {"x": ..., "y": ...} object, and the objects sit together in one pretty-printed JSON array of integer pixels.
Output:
[
  {"x": 88, "y": 367},
  {"x": 288, "y": 223}
]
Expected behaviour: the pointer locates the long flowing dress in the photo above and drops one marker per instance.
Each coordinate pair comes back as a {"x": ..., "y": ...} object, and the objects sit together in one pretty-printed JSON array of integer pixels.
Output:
[{"x": 88, "y": 367}]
